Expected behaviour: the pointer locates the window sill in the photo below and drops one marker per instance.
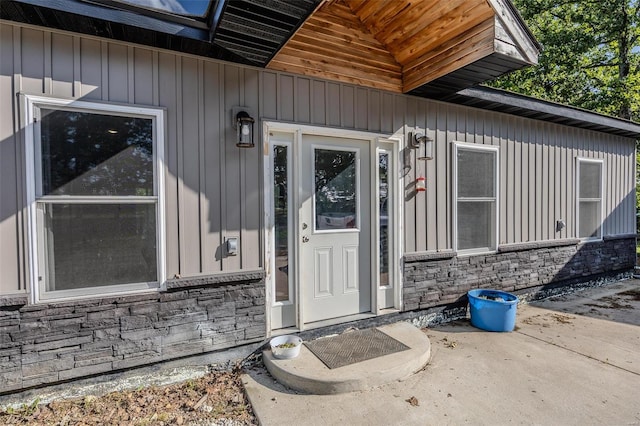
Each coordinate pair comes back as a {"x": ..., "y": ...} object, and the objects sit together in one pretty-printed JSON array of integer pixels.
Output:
[
  {"x": 429, "y": 255},
  {"x": 532, "y": 245},
  {"x": 13, "y": 300},
  {"x": 590, "y": 240},
  {"x": 476, "y": 252},
  {"x": 215, "y": 280}
]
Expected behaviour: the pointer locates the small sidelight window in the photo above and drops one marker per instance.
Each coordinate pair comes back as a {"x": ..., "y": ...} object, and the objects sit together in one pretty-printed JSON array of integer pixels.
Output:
[
  {"x": 383, "y": 218},
  {"x": 95, "y": 198},
  {"x": 476, "y": 197},
  {"x": 589, "y": 199},
  {"x": 282, "y": 221}
]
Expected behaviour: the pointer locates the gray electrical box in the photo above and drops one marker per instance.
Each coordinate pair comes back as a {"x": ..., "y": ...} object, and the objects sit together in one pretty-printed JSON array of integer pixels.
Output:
[{"x": 231, "y": 245}]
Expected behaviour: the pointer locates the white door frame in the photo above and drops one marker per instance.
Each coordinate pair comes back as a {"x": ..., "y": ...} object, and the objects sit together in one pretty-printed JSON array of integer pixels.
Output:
[{"x": 392, "y": 144}]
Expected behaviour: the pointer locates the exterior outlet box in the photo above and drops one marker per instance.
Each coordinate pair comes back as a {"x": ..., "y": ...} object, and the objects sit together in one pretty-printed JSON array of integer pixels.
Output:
[{"x": 231, "y": 245}]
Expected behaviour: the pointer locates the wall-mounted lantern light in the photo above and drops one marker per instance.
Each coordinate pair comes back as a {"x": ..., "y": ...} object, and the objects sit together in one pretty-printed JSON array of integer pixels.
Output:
[
  {"x": 418, "y": 138},
  {"x": 244, "y": 127}
]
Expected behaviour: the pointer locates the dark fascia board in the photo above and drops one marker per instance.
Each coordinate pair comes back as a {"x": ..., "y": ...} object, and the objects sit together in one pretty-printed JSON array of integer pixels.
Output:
[
  {"x": 121, "y": 5},
  {"x": 545, "y": 110},
  {"x": 216, "y": 15},
  {"x": 120, "y": 16},
  {"x": 197, "y": 36},
  {"x": 99, "y": 21}
]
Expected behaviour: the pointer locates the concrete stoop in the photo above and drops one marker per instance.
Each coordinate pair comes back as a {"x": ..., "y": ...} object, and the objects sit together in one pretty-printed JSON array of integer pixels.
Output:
[{"x": 306, "y": 373}]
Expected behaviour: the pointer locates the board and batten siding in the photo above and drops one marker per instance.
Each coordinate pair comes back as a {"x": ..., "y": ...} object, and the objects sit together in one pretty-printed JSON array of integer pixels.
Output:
[
  {"x": 213, "y": 189},
  {"x": 537, "y": 158},
  {"x": 203, "y": 165}
]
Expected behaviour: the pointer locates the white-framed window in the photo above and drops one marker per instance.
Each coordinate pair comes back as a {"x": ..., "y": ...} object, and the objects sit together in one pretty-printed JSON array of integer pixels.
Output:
[
  {"x": 589, "y": 181},
  {"x": 476, "y": 180},
  {"x": 94, "y": 189}
]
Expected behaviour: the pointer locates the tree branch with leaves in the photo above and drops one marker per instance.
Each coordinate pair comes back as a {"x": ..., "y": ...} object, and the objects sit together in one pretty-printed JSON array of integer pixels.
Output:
[{"x": 590, "y": 57}]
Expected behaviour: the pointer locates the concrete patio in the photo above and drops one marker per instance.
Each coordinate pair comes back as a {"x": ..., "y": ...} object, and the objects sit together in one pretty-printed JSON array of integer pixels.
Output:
[{"x": 573, "y": 359}]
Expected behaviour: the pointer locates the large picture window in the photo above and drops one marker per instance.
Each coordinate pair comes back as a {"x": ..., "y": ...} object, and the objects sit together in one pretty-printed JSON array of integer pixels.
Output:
[
  {"x": 589, "y": 202},
  {"x": 476, "y": 202},
  {"x": 95, "y": 205}
]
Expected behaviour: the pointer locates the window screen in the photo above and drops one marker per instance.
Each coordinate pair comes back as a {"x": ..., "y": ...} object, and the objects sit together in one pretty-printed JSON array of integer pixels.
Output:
[
  {"x": 476, "y": 178},
  {"x": 589, "y": 199}
]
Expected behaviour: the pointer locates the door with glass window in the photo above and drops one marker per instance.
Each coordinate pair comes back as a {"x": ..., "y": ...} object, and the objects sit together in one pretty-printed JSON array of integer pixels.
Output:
[{"x": 335, "y": 227}]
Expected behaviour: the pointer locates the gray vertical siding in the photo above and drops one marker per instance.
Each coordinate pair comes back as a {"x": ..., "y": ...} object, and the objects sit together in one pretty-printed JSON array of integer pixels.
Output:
[
  {"x": 11, "y": 253},
  {"x": 204, "y": 167},
  {"x": 213, "y": 188}
]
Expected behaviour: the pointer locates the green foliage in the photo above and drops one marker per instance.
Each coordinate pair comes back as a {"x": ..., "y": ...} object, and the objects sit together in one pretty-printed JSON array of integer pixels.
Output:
[{"x": 590, "y": 57}]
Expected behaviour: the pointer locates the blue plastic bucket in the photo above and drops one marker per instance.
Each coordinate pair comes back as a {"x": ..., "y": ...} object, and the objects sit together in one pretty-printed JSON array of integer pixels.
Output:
[{"x": 493, "y": 310}]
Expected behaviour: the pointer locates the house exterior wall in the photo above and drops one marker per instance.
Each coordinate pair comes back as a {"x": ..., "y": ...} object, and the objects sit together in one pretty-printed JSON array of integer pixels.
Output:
[{"x": 213, "y": 190}]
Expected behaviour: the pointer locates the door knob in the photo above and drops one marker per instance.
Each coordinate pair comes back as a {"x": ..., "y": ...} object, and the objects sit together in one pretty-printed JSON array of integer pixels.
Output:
[{"x": 305, "y": 239}]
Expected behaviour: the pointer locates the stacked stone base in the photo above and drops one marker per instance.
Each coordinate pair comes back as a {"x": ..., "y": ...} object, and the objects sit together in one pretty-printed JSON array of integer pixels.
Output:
[
  {"x": 48, "y": 343},
  {"x": 433, "y": 279}
]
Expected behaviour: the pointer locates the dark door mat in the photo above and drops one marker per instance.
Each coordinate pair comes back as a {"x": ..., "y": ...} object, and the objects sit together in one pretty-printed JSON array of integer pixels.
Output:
[{"x": 354, "y": 346}]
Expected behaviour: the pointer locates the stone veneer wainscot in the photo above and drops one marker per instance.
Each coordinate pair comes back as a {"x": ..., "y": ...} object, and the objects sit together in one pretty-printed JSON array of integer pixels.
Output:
[
  {"x": 438, "y": 278},
  {"x": 52, "y": 342}
]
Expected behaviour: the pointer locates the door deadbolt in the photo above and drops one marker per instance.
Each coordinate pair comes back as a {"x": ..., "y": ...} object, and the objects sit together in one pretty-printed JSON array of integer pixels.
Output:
[{"x": 304, "y": 226}]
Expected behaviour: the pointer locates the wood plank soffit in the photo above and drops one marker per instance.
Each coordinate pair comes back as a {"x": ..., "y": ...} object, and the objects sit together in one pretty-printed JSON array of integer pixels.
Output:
[
  {"x": 400, "y": 45},
  {"x": 334, "y": 44}
]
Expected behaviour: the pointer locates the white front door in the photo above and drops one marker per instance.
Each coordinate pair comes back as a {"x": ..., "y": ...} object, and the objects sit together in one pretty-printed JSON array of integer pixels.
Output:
[{"x": 335, "y": 227}]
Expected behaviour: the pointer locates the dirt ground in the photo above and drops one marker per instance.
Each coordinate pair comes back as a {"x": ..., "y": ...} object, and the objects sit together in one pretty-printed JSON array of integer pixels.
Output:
[{"x": 215, "y": 399}]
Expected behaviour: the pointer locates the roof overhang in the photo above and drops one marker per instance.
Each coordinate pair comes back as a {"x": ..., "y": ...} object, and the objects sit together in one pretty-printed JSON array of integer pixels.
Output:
[
  {"x": 429, "y": 48},
  {"x": 426, "y": 48},
  {"x": 248, "y": 32},
  {"x": 488, "y": 98}
]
